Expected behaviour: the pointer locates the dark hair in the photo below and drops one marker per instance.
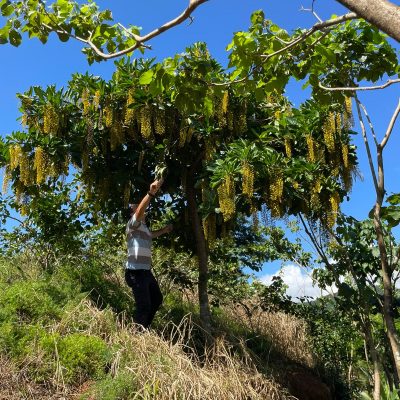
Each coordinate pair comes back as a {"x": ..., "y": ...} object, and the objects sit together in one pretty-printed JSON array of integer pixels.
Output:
[{"x": 130, "y": 209}]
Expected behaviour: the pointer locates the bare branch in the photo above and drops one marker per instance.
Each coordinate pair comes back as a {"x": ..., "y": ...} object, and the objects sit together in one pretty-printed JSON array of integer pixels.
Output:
[
  {"x": 320, "y": 26},
  {"x": 354, "y": 89},
  {"x": 140, "y": 40},
  {"x": 364, "y": 134},
  {"x": 371, "y": 127},
  {"x": 391, "y": 126}
]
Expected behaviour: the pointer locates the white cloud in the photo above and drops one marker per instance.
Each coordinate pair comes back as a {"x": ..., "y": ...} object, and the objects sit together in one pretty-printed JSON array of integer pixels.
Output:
[{"x": 299, "y": 282}]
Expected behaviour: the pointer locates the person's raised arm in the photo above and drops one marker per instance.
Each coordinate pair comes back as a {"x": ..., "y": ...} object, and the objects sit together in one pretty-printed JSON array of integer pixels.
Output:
[{"x": 141, "y": 209}]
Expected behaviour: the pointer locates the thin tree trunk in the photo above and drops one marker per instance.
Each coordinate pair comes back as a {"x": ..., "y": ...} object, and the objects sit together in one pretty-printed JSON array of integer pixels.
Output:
[
  {"x": 384, "y": 14},
  {"x": 386, "y": 269},
  {"x": 374, "y": 356},
  {"x": 201, "y": 250}
]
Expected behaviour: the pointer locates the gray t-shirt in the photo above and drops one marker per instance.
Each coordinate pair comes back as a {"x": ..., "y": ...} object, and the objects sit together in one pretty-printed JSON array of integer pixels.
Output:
[{"x": 138, "y": 239}]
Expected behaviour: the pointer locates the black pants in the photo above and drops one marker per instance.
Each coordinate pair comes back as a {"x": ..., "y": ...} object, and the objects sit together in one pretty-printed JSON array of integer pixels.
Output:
[{"x": 147, "y": 295}]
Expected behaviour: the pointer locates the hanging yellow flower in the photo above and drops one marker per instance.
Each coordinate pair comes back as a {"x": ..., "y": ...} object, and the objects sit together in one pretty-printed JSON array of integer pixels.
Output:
[
  {"x": 311, "y": 148},
  {"x": 247, "y": 180},
  {"x": 50, "y": 119},
  {"x": 25, "y": 169},
  {"x": 40, "y": 165},
  {"x": 6, "y": 179},
  {"x": 328, "y": 129},
  {"x": 348, "y": 121},
  {"x": 85, "y": 101},
  {"x": 226, "y": 195},
  {"x": 108, "y": 116},
  {"x": 334, "y": 201},
  {"x": 96, "y": 99},
  {"x": 225, "y": 102},
  {"x": 145, "y": 122},
  {"x": 159, "y": 121},
  {"x": 130, "y": 112},
  {"x": 288, "y": 148},
  {"x": 345, "y": 155}
]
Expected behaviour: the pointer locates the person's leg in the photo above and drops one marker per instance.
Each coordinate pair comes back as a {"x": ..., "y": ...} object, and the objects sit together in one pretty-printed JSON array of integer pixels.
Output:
[
  {"x": 155, "y": 296},
  {"x": 139, "y": 282}
]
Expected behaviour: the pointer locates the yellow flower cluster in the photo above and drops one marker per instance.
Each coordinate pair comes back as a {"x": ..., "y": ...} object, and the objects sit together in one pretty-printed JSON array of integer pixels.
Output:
[
  {"x": 225, "y": 102},
  {"x": 15, "y": 155},
  {"x": 315, "y": 191},
  {"x": 210, "y": 228},
  {"x": 226, "y": 195},
  {"x": 276, "y": 193},
  {"x": 247, "y": 180},
  {"x": 334, "y": 201},
  {"x": 230, "y": 120},
  {"x": 130, "y": 112},
  {"x": 348, "y": 121},
  {"x": 6, "y": 179},
  {"x": 311, "y": 148},
  {"x": 145, "y": 122},
  {"x": 345, "y": 155},
  {"x": 40, "y": 164},
  {"x": 108, "y": 116},
  {"x": 50, "y": 119},
  {"x": 85, "y": 101},
  {"x": 117, "y": 136},
  {"x": 159, "y": 121},
  {"x": 288, "y": 148},
  {"x": 329, "y": 129},
  {"x": 96, "y": 99}
]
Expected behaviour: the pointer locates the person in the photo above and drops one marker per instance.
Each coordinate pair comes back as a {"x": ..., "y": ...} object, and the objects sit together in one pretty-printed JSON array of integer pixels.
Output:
[{"x": 138, "y": 274}]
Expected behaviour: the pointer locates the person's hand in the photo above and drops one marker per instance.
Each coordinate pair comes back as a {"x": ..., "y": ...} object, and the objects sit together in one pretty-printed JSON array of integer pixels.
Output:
[
  {"x": 155, "y": 186},
  {"x": 169, "y": 228}
]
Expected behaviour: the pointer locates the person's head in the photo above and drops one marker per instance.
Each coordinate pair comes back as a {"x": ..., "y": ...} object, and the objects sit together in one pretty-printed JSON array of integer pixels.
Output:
[{"x": 131, "y": 210}]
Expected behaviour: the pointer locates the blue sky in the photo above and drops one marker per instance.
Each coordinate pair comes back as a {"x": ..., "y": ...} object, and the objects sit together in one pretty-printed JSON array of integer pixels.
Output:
[{"x": 214, "y": 22}]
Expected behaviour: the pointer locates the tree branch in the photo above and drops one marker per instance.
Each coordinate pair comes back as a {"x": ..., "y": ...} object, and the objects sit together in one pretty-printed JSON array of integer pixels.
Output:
[
  {"x": 371, "y": 127},
  {"x": 364, "y": 134},
  {"x": 320, "y": 26},
  {"x": 140, "y": 40},
  {"x": 354, "y": 89},
  {"x": 391, "y": 126}
]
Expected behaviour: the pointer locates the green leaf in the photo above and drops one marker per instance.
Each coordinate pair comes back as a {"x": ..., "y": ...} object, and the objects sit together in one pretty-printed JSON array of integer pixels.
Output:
[
  {"x": 7, "y": 9},
  {"x": 15, "y": 38},
  {"x": 146, "y": 77}
]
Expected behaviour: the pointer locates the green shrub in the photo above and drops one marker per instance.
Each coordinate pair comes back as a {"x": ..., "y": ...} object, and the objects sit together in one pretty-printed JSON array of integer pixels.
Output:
[
  {"x": 27, "y": 302},
  {"x": 121, "y": 387},
  {"x": 82, "y": 357}
]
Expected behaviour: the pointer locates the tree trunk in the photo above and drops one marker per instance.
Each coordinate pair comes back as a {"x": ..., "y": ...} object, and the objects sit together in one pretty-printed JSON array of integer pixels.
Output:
[
  {"x": 386, "y": 268},
  {"x": 374, "y": 357},
  {"x": 382, "y": 13},
  {"x": 201, "y": 250}
]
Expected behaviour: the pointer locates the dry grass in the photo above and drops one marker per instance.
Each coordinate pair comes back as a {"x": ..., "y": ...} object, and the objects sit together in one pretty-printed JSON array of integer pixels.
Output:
[
  {"x": 287, "y": 333},
  {"x": 164, "y": 370},
  {"x": 153, "y": 367}
]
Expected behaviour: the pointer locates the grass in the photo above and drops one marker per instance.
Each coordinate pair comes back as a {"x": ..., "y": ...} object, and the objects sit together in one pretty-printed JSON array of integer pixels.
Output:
[{"x": 66, "y": 339}]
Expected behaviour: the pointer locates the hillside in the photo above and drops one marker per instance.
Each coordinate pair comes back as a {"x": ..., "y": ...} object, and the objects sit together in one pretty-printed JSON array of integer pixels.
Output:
[{"x": 66, "y": 332}]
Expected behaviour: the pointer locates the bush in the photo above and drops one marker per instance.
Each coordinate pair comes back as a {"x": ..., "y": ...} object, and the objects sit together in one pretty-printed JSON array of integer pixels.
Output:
[
  {"x": 121, "y": 387},
  {"x": 83, "y": 357}
]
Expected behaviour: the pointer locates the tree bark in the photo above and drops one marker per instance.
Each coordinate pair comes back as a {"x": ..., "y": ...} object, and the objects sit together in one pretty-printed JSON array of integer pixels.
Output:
[
  {"x": 375, "y": 360},
  {"x": 382, "y": 13},
  {"x": 202, "y": 254},
  {"x": 386, "y": 268}
]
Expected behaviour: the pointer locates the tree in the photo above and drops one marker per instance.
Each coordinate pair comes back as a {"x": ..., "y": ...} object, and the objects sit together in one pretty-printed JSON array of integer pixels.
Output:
[
  {"x": 381, "y": 13},
  {"x": 214, "y": 139}
]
